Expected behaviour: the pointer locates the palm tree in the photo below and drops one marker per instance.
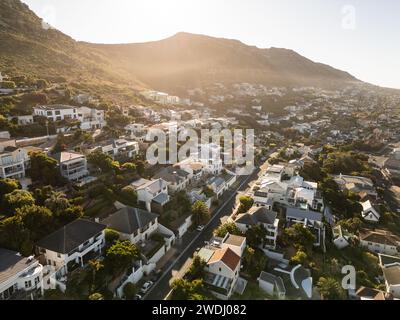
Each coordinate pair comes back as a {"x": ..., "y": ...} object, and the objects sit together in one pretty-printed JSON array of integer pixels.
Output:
[{"x": 57, "y": 202}]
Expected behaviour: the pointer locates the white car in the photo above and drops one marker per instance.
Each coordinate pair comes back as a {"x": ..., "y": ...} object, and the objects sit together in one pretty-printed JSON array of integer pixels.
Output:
[
  {"x": 146, "y": 287},
  {"x": 200, "y": 228}
]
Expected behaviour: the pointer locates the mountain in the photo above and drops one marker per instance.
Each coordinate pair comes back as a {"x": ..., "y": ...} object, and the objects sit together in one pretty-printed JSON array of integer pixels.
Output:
[
  {"x": 188, "y": 60},
  {"x": 175, "y": 64}
]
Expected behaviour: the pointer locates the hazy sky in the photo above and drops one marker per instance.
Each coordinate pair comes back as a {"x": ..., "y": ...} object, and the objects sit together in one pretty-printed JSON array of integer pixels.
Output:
[{"x": 358, "y": 36}]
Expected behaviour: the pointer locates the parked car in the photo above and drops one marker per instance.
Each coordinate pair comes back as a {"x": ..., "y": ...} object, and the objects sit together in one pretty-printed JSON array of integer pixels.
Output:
[
  {"x": 200, "y": 228},
  {"x": 146, "y": 287}
]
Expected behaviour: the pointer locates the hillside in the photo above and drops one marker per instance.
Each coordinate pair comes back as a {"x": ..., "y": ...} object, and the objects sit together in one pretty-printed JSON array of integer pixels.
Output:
[
  {"x": 188, "y": 61},
  {"x": 175, "y": 64}
]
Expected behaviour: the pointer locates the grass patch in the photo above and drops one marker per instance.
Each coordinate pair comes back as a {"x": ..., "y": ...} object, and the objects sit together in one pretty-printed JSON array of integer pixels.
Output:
[{"x": 252, "y": 292}]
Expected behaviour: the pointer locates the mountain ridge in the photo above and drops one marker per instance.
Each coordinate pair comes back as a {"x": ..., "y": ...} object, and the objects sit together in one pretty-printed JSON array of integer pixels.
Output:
[{"x": 175, "y": 64}]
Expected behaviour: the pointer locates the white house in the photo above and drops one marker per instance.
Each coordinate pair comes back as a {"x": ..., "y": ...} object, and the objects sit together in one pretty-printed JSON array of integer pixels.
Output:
[
  {"x": 309, "y": 219},
  {"x": 217, "y": 185},
  {"x": 341, "y": 238},
  {"x": 176, "y": 178},
  {"x": 89, "y": 118},
  {"x": 272, "y": 285},
  {"x": 71, "y": 246},
  {"x": 260, "y": 216},
  {"x": 152, "y": 193},
  {"x": 56, "y": 112},
  {"x": 222, "y": 269},
  {"x": 73, "y": 166},
  {"x": 13, "y": 162},
  {"x": 369, "y": 212},
  {"x": 380, "y": 241},
  {"x": 119, "y": 148},
  {"x": 133, "y": 224},
  {"x": 391, "y": 272},
  {"x": 22, "y": 120},
  {"x": 20, "y": 277}
]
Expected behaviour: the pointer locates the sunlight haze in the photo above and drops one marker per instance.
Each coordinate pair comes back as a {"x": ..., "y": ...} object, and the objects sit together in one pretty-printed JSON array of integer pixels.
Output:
[{"x": 360, "y": 37}]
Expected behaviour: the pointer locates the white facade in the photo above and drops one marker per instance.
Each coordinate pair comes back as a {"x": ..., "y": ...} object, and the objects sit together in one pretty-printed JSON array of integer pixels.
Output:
[
  {"x": 73, "y": 168},
  {"x": 90, "y": 119},
  {"x": 27, "y": 279},
  {"x": 60, "y": 260},
  {"x": 13, "y": 163}
]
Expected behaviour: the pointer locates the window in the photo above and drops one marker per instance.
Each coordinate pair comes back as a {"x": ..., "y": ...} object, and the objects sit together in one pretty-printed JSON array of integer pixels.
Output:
[
  {"x": 58, "y": 112},
  {"x": 220, "y": 269},
  {"x": 36, "y": 280},
  {"x": 28, "y": 284}
]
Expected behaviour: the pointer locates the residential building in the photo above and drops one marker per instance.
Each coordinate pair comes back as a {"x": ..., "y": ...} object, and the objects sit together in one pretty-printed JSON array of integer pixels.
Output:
[
  {"x": 72, "y": 245},
  {"x": 20, "y": 277},
  {"x": 340, "y": 237},
  {"x": 272, "y": 285},
  {"x": 176, "y": 178},
  {"x": 217, "y": 185},
  {"x": 13, "y": 162},
  {"x": 368, "y": 294},
  {"x": 391, "y": 272},
  {"x": 223, "y": 266},
  {"x": 21, "y": 120},
  {"x": 380, "y": 241},
  {"x": 89, "y": 119},
  {"x": 356, "y": 184},
  {"x": 369, "y": 212},
  {"x": 120, "y": 149},
  {"x": 73, "y": 166},
  {"x": 142, "y": 228},
  {"x": 133, "y": 224},
  {"x": 310, "y": 219},
  {"x": 152, "y": 193},
  {"x": 260, "y": 216}
]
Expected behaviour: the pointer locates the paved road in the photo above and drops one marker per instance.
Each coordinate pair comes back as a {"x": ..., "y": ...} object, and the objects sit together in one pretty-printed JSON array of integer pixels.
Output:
[{"x": 194, "y": 240}]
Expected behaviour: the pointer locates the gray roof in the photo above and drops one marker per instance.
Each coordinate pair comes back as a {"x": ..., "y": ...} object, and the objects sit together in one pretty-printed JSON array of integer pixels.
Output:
[
  {"x": 273, "y": 279},
  {"x": 388, "y": 260},
  {"x": 128, "y": 220},
  {"x": 161, "y": 198},
  {"x": 217, "y": 180},
  {"x": 300, "y": 214},
  {"x": 71, "y": 236},
  {"x": 392, "y": 274},
  {"x": 11, "y": 263},
  {"x": 257, "y": 215},
  {"x": 171, "y": 174}
]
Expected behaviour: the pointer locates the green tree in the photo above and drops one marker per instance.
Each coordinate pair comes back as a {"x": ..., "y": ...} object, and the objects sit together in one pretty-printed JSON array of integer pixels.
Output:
[
  {"x": 300, "y": 235},
  {"x": 111, "y": 236},
  {"x": 255, "y": 236},
  {"x": 187, "y": 290},
  {"x": 129, "y": 167},
  {"x": 299, "y": 258},
  {"x": 7, "y": 84},
  {"x": 228, "y": 227},
  {"x": 200, "y": 212},
  {"x": 57, "y": 202},
  {"x": 196, "y": 270},
  {"x": 130, "y": 291},
  {"x": 44, "y": 169},
  {"x": 255, "y": 261},
  {"x": 330, "y": 289},
  {"x": 120, "y": 256},
  {"x": 7, "y": 186},
  {"x": 17, "y": 199},
  {"x": 38, "y": 220},
  {"x": 246, "y": 203},
  {"x": 94, "y": 267},
  {"x": 14, "y": 235},
  {"x": 103, "y": 161}
]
